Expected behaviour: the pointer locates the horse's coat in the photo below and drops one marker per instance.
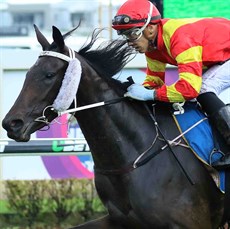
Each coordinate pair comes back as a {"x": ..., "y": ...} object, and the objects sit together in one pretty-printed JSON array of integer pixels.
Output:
[{"x": 155, "y": 195}]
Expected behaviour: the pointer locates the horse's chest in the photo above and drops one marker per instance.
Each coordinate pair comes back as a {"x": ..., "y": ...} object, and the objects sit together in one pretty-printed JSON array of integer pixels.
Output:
[{"x": 122, "y": 196}]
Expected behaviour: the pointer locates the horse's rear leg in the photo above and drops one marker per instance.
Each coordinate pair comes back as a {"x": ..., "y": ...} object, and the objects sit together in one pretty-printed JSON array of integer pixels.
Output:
[{"x": 101, "y": 223}]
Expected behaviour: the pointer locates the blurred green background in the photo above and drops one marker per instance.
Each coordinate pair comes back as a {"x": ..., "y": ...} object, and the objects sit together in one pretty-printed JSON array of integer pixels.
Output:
[{"x": 196, "y": 8}]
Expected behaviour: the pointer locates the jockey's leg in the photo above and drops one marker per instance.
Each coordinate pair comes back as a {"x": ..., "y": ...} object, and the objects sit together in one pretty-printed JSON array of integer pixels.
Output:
[
  {"x": 222, "y": 121},
  {"x": 218, "y": 112},
  {"x": 219, "y": 115},
  {"x": 215, "y": 80}
]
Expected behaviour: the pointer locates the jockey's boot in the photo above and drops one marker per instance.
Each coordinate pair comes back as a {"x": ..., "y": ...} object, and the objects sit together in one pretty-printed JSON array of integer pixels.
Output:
[
  {"x": 222, "y": 122},
  {"x": 219, "y": 115}
]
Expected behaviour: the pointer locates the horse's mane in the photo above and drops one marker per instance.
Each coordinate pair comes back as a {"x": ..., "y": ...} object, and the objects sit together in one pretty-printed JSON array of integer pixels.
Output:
[{"x": 108, "y": 58}]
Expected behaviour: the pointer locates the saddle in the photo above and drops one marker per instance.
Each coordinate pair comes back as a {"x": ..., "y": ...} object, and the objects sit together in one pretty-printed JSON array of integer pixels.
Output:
[{"x": 206, "y": 143}]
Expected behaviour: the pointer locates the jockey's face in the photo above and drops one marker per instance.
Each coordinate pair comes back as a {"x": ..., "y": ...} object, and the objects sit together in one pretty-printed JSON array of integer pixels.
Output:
[{"x": 144, "y": 42}]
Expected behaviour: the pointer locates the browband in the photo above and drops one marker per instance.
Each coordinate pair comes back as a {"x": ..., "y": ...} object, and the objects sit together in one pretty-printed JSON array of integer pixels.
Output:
[{"x": 59, "y": 55}]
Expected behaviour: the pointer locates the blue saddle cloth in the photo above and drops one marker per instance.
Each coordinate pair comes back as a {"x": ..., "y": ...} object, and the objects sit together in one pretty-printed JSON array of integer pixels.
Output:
[{"x": 200, "y": 138}]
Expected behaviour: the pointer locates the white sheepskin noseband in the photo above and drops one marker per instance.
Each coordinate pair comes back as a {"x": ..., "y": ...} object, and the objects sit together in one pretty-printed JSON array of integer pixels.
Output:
[{"x": 70, "y": 82}]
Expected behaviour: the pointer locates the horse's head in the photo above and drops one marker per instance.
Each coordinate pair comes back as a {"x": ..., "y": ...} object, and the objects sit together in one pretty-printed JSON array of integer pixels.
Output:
[
  {"x": 41, "y": 86},
  {"x": 54, "y": 79}
]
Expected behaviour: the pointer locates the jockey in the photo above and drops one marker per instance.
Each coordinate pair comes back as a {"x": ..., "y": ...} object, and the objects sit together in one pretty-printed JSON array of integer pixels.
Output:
[{"x": 199, "y": 47}]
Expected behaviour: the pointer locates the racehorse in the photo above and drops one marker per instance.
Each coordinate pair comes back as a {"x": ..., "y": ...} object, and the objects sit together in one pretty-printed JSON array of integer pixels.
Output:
[{"x": 143, "y": 180}]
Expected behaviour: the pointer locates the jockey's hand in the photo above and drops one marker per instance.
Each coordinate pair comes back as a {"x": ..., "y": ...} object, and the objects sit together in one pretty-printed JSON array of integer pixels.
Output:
[{"x": 139, "y": 92}]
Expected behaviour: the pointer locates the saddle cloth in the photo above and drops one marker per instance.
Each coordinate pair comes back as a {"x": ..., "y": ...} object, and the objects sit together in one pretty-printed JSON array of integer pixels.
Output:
[{"x": 200, "y": 139}]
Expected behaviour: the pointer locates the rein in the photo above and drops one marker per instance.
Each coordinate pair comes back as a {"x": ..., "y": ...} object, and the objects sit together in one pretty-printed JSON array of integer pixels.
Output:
[
  {"x": 45, "y": 120},
  {"x": 99, "y": 104}
]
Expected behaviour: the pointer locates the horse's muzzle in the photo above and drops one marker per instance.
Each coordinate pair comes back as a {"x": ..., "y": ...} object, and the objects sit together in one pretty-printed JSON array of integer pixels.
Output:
[{"x": 16, "y": 129}]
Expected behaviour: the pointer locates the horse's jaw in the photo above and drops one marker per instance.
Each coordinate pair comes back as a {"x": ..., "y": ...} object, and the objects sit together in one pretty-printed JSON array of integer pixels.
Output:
[{"x": 18, "y": 138}]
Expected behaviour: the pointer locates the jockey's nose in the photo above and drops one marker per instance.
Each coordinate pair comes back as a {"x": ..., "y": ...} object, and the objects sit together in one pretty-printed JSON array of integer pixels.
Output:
[{"x": 130, "y": 43}]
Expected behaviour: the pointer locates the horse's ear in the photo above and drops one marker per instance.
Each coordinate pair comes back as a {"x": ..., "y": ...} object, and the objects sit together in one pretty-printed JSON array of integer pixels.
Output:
[
  {"x": 41, "y": 39},
  {"x": 58, "y": 38}
]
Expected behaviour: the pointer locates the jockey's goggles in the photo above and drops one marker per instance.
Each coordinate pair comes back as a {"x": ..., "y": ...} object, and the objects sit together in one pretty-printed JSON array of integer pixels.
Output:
[{"x": 132, "y": 34}]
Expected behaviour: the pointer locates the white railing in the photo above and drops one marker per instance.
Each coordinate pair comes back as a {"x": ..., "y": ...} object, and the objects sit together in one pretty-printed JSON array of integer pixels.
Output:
[{"x": 44, "y": 146}]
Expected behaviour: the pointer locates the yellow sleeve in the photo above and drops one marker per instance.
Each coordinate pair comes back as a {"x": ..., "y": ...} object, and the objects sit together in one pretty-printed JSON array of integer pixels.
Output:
[{"x": 155, "y": 74}]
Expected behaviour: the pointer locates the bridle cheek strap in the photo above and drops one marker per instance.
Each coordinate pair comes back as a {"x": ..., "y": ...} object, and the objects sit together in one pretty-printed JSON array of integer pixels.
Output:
[
  {"x": 71, "y": 80},
  {"x": 69, "y": 87}
]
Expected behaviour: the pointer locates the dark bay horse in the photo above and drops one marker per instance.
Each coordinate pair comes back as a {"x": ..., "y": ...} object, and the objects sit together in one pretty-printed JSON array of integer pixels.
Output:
[{"x": 147, "y": 194}]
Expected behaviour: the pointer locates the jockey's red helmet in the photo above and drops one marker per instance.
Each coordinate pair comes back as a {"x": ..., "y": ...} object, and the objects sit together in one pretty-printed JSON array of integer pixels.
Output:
[{"x": 135, "y": 13}]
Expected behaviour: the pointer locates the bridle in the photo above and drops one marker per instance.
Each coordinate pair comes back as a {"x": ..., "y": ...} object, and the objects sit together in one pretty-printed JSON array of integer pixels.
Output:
[
  {"x": 72, "y": 111},
  {"x": 43, "y": 118}
]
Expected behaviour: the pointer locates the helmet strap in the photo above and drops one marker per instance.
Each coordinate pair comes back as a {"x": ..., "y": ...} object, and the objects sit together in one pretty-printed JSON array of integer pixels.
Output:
[{"x": 147, "y": 21}]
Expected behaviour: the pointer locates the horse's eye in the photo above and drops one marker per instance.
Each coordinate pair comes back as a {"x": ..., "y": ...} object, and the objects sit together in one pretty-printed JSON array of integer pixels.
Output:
[{"x": 50, "y": 75}]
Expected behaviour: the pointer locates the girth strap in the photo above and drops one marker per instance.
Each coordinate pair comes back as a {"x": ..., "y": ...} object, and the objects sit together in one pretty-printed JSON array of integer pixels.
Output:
[{"x": 170, "y": 147}]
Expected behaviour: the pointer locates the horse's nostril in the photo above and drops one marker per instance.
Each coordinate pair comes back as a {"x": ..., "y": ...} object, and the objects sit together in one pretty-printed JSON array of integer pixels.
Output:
[
  {"x": 12, "y": 124},
  {"x": 16, "y": 123}
]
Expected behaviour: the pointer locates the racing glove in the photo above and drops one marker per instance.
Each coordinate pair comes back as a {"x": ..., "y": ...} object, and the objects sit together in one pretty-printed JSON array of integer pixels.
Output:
[{"x": 139, "y": 92}]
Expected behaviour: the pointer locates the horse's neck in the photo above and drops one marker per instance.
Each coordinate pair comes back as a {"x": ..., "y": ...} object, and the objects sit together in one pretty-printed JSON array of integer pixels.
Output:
[{"x": 115, "y": 133}]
